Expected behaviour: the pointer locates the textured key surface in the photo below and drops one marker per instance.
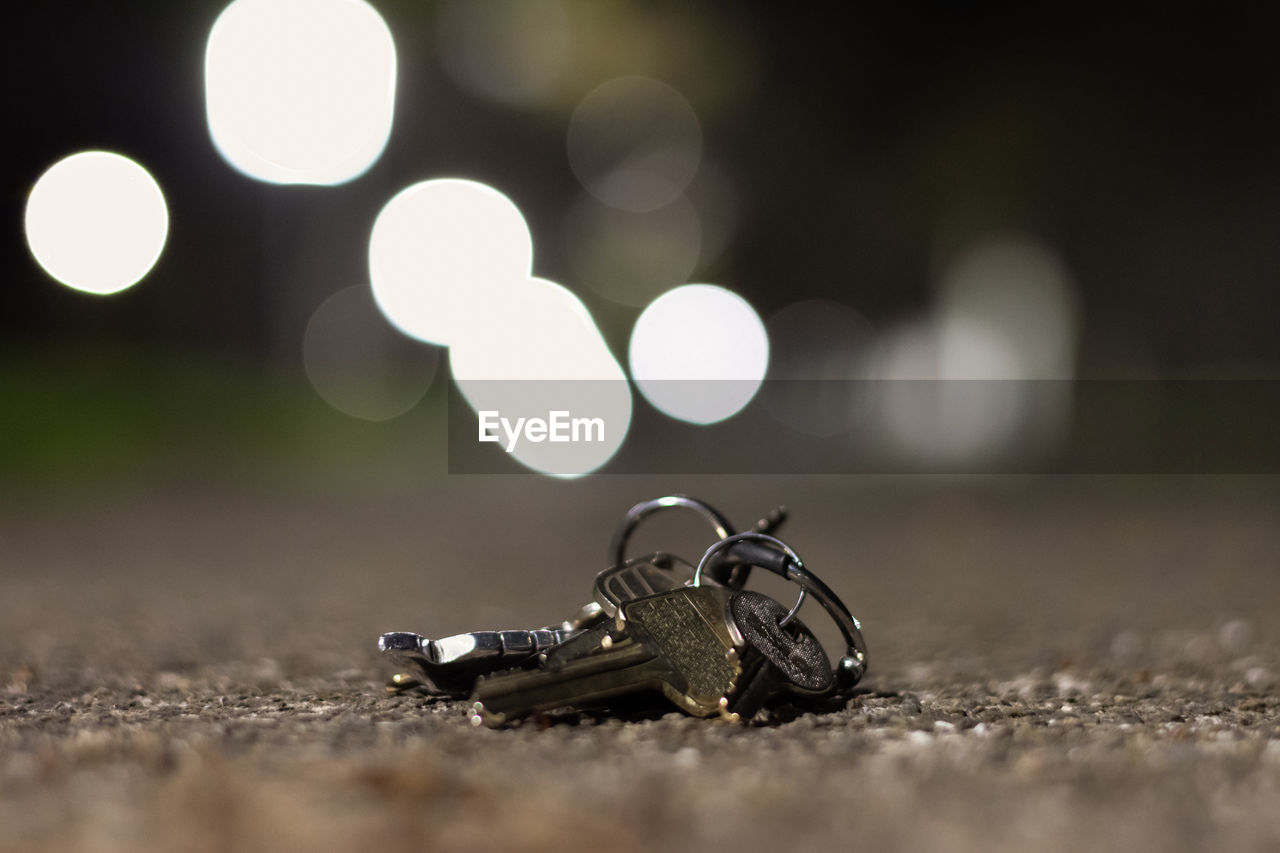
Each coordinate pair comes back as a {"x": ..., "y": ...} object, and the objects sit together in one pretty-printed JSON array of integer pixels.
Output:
[
  {"x": 678, "y": 642},
  {"x": 689, "y": 627},
  {"x": 797, "y": 653}
]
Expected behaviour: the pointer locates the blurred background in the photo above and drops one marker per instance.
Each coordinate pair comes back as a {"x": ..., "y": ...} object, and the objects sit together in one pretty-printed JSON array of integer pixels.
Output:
[{"x": 976, "y": 192}]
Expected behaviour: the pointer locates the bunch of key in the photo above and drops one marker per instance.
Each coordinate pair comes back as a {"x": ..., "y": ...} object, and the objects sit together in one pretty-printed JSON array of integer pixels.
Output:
[{"x": 658, "y": 626}]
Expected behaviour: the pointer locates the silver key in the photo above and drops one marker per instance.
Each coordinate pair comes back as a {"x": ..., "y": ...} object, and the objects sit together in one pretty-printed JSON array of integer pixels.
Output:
[
  {"x": 640, "y": 577},
  {"x": 451, "y": 665},
  {"x": 683, "y": 643},
  {"x": 775, "y": 660}
]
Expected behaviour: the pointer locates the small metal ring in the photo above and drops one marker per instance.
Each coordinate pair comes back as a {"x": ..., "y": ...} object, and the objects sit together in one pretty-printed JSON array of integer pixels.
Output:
[
  {"x": 853, "y": 664},
  {"x": 718, "y": 522},
  {"x": 761, "y": 537}
]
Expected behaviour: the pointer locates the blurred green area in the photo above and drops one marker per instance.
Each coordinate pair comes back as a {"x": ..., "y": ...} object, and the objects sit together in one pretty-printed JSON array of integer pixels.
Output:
[{"x": 86, "y": 415}]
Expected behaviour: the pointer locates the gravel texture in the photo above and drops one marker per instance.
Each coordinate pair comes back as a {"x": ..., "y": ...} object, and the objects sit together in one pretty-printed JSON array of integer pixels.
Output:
[{"x": 1056, "y": 664}]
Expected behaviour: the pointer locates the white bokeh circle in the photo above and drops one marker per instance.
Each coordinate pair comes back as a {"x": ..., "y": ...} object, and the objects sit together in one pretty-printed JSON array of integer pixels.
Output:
[
  {"x": 96, "y": 221},
  {"x": 541, "y": 352},
  {"x": 300, "y": 91},
  {"x": 699, "y": 353},
  {"x": 450, "y": 262},
  {"x": 441, "y": 251},
  {"x": 538, "y": 331}
]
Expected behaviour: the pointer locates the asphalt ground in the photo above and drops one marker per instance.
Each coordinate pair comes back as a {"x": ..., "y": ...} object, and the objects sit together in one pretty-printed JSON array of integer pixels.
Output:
[{"x": 1055, "y": 664}]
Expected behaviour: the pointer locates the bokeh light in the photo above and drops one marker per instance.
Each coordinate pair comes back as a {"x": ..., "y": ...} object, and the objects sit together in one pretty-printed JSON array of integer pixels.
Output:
[
  {"x": 931, "y": 420},
  {"x": 442, "y": 251},
  {"x": 359, "y": 364},
  {"x": 1008, "y": 310},
  {"x": 635, "y": 143},
  {"x": 631, "y": 258},
  {"x": 1006, "y": 314},
  {"x": 538, "y": 352},
  {"x": 300, "y": 91},
  {"x": 538, "y": 330},
  {"x": 450, "y": 261},
  {"x": 699, "y": 353},
  {"x": 821, "y": 355},
  {"x": 509, "y": 51},
  {"x": 97, "y": 222}
]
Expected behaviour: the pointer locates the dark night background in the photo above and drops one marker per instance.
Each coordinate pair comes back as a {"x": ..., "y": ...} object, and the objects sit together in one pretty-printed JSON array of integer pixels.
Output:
[{"x": 866, "y": 144}]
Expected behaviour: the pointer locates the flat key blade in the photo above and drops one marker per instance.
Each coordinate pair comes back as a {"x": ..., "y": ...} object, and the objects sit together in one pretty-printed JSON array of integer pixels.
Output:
[
  {"x": 677, "y": 642},
  {"x": 507, "y": 696},
  {"x": 593, "y": 640}
]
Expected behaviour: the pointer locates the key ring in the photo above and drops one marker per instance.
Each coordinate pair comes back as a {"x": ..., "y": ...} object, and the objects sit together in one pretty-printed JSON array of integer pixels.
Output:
[
  {"x": 752, "y": 535},
  {"x": 644, "y": 509},
  {"x": 853, "y": 664}
]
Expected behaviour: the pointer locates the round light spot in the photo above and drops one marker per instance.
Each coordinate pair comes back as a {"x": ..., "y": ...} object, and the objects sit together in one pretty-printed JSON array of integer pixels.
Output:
[
  {"x": 536, "y": 331},
  {"x": 987, "y": 376},
  {"x": 96, "y": 222},
  {"x": 1007, "y": 310},
  {"x": 300, "y": 91},
  {"x": 635, "y": 143},
  {"x": 699, "y": 353},
  {"x": 510, "y": 51},
  {"x": 631, "y": 258},
  {"x": 450, "y": 262},
  {"x": 931, "y": 418},
  {"x": 360, "y": 365},
  {"x": 538, "y": 353},
  {"x": 442, "y": 252}
]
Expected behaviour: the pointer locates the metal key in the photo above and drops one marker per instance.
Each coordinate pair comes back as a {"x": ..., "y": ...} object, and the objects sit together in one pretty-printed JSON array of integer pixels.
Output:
[
  {"x": 451, "y": 665},
  {"x": 682, "y": 642},
  {"x": 639, "y": 577},
  {"x": 617, "y": 585},
  {"x": 775, "y": 660}
]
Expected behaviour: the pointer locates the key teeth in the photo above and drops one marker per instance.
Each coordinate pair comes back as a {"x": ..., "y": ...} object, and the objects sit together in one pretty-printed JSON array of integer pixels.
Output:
[
  {"x": 735, "y": 661},
  {"x": 727, "y": 715},
  {"x": 401, "y": 682},
  {"x": 482, "y": 717}
]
